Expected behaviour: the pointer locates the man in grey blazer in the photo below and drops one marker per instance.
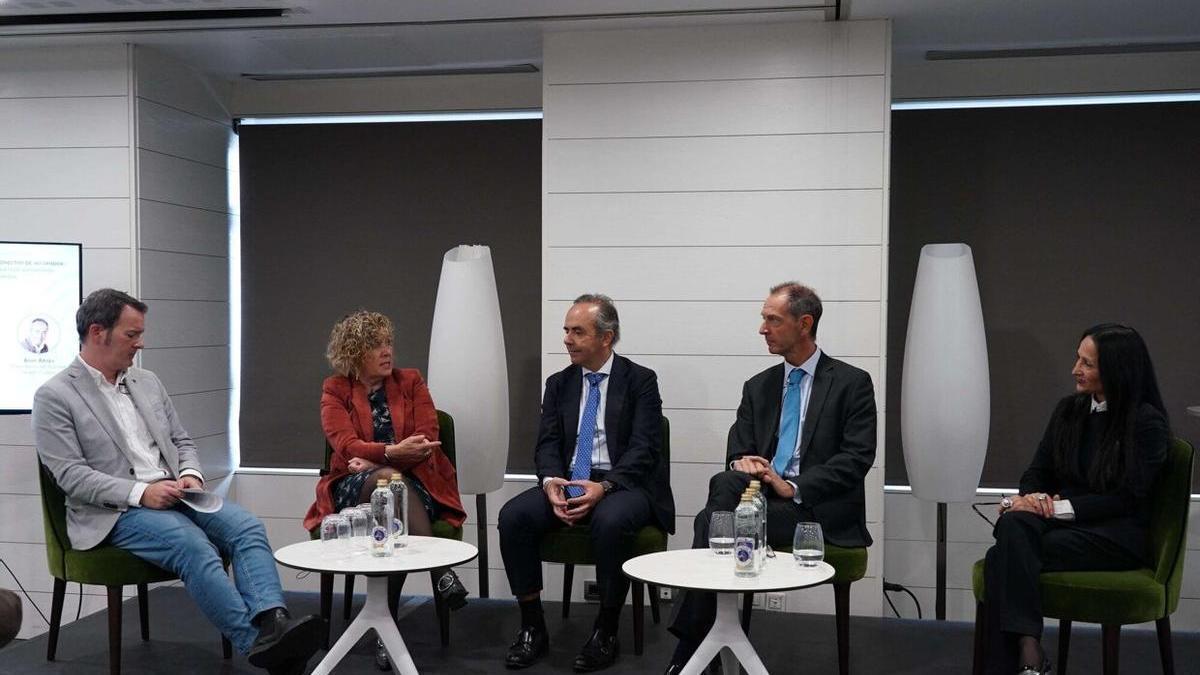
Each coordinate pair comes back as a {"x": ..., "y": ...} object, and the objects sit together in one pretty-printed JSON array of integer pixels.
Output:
[
  {"x": 109, "y": 435},
  {"x": 806, "y": 429}
]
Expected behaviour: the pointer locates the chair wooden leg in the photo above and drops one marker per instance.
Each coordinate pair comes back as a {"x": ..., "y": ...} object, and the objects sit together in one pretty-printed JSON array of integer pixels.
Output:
[
  {"x": 56, "y": 606},
  {"x": 841, "y": 605},
  {"x": 326, "y": 606},
  {"x": 348, "y": 597},
  {"x": 1064, "y": 644},
  {"x": 568, "y": 581},
  {"x": 747, "y": 606},
  {"x": 443, "y": 610},
  {"x": 144, "y": 610},
  {"x": 1164, "y": 645},
  {"x": 639, "y": 617},
  {"x": 654, "y": 613},
  {"x": 980, "y": 631},
  {"x": 114, "y": 630},
  {"x": 226, "y": 648},
  {"x": 1111, "y": 634}
]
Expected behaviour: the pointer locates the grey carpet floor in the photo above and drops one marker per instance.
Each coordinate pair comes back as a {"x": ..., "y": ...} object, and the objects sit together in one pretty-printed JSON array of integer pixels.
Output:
[{"x": 182, "y": 642}]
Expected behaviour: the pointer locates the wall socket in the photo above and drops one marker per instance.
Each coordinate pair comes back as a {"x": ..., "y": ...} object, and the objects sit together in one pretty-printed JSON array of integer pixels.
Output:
[
  {"x": 591, "y": 590},
  {"x": 665, "y": 593},
  {"x": 775, "y": 602}
]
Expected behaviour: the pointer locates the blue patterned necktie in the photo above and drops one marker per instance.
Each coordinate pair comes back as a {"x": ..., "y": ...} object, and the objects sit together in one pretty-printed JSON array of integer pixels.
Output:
[
  {"x": 789, "y": 426},
  {"x": 581, "y": 468}
]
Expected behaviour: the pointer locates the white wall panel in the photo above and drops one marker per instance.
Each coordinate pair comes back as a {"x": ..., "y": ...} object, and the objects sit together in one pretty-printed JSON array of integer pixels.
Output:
[
  {"x": 64, "y": 72},
  {"x": 203, "y": 414},
  {"x": 828, "y": 161},
  {"x": 775, "y": 218},
  {"x": 90, "y": 122},
  {"x": 187, "y": 323},
  {"x": 182, "y": 134},
  {"x": 22, "y": 530},
  {"x": 107, "y": 268},
  {"x": 64, "y": 173},
  {"x": 716, "y": 108},
  {"x": 188, "y": 370},
  {"x": 16, "y": 430},
  {"x": 180, "y": 181},
  {"x": 730, "y": 328},
  {"x": 180, "y": 276},
  {"x": 215, "y": 459},
  {"x": 95, "y": 223},
  {"x": 182, "y": 229},
  {"x": 20, "y": 470},
  {"x": 699, "y": 435},
  {"x": 792, "y": 49},
  {"x": 711, "y": 273},
  {"x": 164, "y": 80}
]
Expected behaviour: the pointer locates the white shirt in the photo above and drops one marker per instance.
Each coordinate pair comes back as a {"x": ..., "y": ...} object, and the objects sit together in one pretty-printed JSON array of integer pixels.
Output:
[
  {"x": 144, "y": 453},
  {"x": 1099, "y": 406},
  {"x": 600, "y": 458}
]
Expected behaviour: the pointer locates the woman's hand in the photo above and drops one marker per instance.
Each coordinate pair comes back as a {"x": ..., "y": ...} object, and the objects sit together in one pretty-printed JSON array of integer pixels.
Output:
[
  {"x": 358, "y": 465},
  {"x": 411, "y": 451}
]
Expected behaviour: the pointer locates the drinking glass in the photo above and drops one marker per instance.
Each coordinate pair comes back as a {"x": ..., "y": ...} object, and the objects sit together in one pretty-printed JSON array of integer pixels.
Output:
[
  {"x": 720, "y": 532},
  {"x": 360, "y": 527},
  {"x": 808, "y": 544},
  {"x": 335, "y": 535}
]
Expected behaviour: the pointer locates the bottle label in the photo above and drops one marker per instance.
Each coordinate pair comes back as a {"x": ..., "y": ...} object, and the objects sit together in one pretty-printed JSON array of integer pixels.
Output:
[
  {"x": 379, "y": 535},
  {"x": 743, "y": 553},
  {"x": 397, "y": 527}
]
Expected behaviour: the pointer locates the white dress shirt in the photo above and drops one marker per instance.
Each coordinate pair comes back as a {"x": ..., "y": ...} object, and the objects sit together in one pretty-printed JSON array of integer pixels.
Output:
[{"x": 144, "y": 453}]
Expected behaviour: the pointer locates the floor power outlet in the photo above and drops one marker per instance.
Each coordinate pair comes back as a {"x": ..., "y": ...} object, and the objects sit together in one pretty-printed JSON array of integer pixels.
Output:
[
  {"x": 591, "y": 591},
  {"x": 775, "y": 602}
]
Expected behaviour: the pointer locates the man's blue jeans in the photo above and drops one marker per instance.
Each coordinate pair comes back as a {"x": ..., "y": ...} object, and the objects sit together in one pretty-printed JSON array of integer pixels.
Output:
[{"x": 190, "y": 544}]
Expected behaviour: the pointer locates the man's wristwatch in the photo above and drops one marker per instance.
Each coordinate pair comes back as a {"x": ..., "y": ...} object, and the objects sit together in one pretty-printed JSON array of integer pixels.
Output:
[
  {"x": 1006, "y": 503},
  {"x": 608, "y": 486}
]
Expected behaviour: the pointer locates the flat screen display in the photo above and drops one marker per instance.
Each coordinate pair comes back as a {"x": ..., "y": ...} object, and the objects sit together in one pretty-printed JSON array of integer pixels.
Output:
[{"x": 41, "y": 286}]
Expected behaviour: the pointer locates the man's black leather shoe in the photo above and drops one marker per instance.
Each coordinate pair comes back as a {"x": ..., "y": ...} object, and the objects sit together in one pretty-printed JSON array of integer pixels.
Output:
[
  {"x": 282, "y": 639},
  {"x": 531, "y": 644},
  {"x": 598, "y": 653}
]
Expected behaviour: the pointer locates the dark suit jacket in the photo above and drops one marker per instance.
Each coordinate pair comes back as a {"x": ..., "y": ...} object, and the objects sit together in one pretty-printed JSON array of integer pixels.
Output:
[
  {"x": 838, "y": 442},
  {"x": 632, "y": 426},
  {"x": 1121, "y": 515}
]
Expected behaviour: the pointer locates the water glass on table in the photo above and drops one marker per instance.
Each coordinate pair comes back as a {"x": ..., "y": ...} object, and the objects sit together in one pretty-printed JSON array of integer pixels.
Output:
[
  {"x": 335, "y": 535},
  {"x": 720, "y": 532},
  {"x": 360, "y": 527},
  {"x": 808, "y": 544}
]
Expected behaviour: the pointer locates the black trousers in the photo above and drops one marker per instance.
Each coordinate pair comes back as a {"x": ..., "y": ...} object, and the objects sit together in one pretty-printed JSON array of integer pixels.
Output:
[
  {"x": 1027, "y": 545},
  {"x": 696, "y": 611},
  {"x": 614, "y": 521}
]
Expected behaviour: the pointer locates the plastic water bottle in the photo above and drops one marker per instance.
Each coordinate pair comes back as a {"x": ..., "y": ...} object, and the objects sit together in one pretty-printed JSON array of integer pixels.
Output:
[
  {"x": 745, "y": 538},
  {"x": 383, "y": 510},
  {"x": 760, "y": 503},
  {"x": 400, "y": 519}
]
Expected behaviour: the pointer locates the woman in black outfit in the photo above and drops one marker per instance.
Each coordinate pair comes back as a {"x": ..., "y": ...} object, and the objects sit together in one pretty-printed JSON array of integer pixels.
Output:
[{"x": 1095, "y": 468}]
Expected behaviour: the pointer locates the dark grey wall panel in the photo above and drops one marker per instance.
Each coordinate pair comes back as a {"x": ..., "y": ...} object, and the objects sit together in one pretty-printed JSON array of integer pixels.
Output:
[
  {"x": 1076, "y": 215},
  {"x": 341, "y": 217}
]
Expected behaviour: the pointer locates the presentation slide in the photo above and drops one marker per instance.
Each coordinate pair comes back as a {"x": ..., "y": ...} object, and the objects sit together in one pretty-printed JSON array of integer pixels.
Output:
[{"x": 40, "y": 289}]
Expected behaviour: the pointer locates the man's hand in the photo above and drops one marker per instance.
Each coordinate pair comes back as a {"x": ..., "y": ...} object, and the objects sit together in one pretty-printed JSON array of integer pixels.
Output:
[
  {"x": 578, "y": 507},
  {"x": 162, "y": 495},
  {"x": 751, "y": 464},
  {"x": 1038, "y": 503},
  {"x": 411, "y": 451},
  {"x": 553, "y": 488},
  {"x": 190, "y": 482}
]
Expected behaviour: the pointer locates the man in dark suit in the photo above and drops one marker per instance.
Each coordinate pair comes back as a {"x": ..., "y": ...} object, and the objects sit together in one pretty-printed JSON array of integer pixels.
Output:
[
  {"x": 806, "y": 429},
  {"x": 598, "y": 462}
]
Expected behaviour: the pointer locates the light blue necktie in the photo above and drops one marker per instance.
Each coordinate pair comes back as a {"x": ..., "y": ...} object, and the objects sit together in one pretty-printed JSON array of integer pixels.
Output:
[
  {"x": 581, "y": 468},
  {"x": 789, "y": 426}
]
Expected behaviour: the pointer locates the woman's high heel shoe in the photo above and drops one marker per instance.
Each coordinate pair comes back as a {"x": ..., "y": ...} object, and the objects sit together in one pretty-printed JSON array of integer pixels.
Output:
[{"x": 451, "y": 590}]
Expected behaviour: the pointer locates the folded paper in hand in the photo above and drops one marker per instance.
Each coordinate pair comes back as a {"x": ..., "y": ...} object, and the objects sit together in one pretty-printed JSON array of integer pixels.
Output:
[{"x": 199, "y": 500}]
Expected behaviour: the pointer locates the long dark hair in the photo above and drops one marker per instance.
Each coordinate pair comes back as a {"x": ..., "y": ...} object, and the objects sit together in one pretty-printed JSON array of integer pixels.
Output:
[{"x": 1127, "y": 375}]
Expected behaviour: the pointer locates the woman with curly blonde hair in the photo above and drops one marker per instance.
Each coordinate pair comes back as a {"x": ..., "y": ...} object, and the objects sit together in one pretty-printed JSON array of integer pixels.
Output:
[{"x": 380, "y": 421}]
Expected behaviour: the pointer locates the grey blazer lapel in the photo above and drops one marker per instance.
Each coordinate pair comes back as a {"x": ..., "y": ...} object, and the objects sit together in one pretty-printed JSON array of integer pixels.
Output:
[
  {"x": 816, "y": 401},
  {"x": 82, "y": 380},
  {"x": 145, "y": 407}
]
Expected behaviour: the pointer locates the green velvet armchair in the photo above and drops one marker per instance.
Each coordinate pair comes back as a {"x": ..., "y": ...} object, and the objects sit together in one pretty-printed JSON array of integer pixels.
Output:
[
  {"x": 1114, "y": 599},
  {"x": 104, "y": 565}
]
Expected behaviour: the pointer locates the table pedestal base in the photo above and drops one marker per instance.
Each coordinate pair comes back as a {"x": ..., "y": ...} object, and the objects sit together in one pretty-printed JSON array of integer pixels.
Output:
[
  {"x": 374, "y": 615},
  {"x": 726, "y": 632}
]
